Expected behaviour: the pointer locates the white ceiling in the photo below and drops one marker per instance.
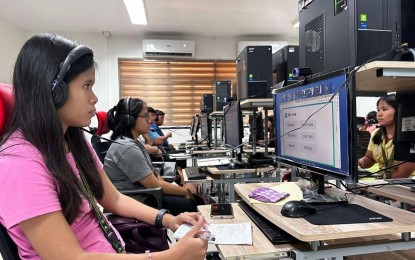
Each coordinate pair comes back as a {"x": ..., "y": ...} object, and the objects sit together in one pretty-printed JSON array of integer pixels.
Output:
[{"x": 231, "y": 18}]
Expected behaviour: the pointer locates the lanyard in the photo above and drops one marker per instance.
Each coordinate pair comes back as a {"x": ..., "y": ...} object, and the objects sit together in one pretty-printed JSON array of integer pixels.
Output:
[
  {"x": 387, "y": 162},
  {"x": 103, "y": 223}
]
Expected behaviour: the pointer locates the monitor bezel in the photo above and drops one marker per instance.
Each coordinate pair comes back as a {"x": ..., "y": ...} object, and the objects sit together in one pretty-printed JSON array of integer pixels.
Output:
[{"x": 351, "y": 131}]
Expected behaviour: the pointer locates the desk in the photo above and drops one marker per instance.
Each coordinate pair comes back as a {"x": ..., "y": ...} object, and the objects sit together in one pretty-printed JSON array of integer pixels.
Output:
[
  {"x": 231, "y": 181},
  {"x": 403, "y": 222},
  {"x": 259, "y": 150},
  {"x": 261, "y": 247},
  {"x": 397, "y": 192}
]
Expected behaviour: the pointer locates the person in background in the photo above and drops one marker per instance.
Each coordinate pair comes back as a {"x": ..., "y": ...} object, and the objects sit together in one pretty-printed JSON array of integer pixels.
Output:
[
  {"x": 128, "y": 165},
  {"x": 370, "y": 122},
  {"x": 156, "y": 152},
  {"x": 271, "y": 133},
  {"x": 381, "y": 149},
  {"x": 155, "y": 133},
  {"x": 50, "y": 175}
]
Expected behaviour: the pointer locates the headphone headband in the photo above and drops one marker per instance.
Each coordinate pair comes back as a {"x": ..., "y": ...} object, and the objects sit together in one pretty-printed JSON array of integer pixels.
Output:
[
  {"x": 65, "y": 66},
  {"x": 59, "y": 88}
]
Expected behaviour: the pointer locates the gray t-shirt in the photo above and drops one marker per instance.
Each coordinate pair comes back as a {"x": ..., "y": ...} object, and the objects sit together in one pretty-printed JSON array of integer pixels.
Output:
[{"x": 127, "y": 162}]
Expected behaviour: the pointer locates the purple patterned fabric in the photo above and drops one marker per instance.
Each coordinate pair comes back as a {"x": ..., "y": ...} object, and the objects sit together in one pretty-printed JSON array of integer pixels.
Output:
[{"x": 267, "y": 194}]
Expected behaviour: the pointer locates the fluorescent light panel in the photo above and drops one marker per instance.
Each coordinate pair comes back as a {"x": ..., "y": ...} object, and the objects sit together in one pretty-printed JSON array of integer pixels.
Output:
[{"x": 136, "y": 11}]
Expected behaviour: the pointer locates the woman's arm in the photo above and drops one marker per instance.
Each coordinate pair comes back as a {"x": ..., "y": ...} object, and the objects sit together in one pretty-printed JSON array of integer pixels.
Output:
[
  {"x": 367, "y": 161},
  {"x": 404, "y": 170},
  {"x": 151, "y": 181},
  {"x": 153, "y": 150}
]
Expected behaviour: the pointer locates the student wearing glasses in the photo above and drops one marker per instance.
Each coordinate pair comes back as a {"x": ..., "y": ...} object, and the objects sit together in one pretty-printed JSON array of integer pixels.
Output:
[{"x": 127, "y": 163}]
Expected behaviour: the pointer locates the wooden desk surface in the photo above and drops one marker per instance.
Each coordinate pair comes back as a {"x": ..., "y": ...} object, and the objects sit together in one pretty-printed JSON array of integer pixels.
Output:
[
  {"x": 211, "y": 151},
  {"x": 254, "y": 103},
  {"x": 398, "y": 192},
  {"x": 261, "y": 247},
  {"x": 259, "y": 150},
  {"x": 403, "y": 221},
  {"x": 367, "y": 80},
  {"x": 215, "y": 170}
]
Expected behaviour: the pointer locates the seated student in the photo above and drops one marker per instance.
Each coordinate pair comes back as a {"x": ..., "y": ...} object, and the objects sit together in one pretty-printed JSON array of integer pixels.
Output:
[
  {"x": 155, "y": 133},
  {"x": 370, "y": 124},
  {"x": 127, "y": 163},
  {"x": 46, "y": 163},
  {"x": 381, "y": 149},
  {"x": 155, "y": 152}
]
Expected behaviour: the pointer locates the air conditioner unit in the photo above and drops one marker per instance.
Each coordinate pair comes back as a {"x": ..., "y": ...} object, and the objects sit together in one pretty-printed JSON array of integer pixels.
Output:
[{"x": 168, "y": 49}]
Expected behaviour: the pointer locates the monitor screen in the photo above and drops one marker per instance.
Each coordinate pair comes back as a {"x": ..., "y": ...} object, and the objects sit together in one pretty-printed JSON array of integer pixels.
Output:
[
  {"x": 195, "y": 127},
  {"x": 192, "y": 125},
  {"x": 320, "y": 142},
  {"x": 233, "y": 124},
  {"x": 205, "y": 127}
]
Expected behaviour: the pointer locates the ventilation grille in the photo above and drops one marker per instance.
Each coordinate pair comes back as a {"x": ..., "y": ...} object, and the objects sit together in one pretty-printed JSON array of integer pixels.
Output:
[
  {"x": 168, "y": 54},
  {"x": 315, "y": 43}
]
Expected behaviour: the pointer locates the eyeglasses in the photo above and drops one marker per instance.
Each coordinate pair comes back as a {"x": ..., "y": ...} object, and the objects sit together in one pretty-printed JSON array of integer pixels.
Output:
[{"x": 146, "y": 116}]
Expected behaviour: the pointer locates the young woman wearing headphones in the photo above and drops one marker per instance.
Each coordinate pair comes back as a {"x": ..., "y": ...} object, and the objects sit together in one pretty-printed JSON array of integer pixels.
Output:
[
  {"x": 129, "y": 166},
  {"x": 381, "y": 149},
  {"x": 50, "y": 177}
]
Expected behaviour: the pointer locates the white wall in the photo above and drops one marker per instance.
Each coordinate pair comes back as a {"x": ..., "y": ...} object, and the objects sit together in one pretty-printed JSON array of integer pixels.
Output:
[{"x": 11, "y": 39}]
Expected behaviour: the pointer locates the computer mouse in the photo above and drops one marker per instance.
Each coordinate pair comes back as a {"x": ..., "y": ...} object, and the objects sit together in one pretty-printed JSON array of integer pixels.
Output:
[{"x": 297, "y": 209}]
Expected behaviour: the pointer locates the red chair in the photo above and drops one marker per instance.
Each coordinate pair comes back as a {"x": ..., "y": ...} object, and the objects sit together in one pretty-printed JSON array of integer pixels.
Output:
[
  {"x": 8, "y": 248},
  {"x": 6, "y": 102}
]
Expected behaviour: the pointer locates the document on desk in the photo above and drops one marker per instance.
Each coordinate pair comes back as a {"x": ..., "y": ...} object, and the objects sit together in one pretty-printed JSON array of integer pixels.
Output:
[
  {"x": 213, "y": 161},
  {"x": 224, "y": 234}
]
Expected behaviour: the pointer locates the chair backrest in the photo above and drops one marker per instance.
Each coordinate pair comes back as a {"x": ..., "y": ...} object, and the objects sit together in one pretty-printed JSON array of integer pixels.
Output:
[
  {"x": 6, "y": 103},
  {"x": 363, "y": 139},
  {"x": 102, "y": 123},
  {"x": 360, "y": 121},
  {"x": 101, "y": 149},
  {"x": 8, "y": 248}
]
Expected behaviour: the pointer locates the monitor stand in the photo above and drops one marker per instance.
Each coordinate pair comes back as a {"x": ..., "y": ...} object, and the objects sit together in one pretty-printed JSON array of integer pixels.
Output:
[{"x": 315, "y": 194}]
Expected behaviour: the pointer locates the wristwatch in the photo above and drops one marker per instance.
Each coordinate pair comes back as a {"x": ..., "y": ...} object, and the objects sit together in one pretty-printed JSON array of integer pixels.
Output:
[{"x": 159, "y": 217}]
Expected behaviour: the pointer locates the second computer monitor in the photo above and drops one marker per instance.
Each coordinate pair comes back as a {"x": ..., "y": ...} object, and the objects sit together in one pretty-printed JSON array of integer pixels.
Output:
[
  {"x": 205, "y": 128},
  {"x": 233, "y": 127}
]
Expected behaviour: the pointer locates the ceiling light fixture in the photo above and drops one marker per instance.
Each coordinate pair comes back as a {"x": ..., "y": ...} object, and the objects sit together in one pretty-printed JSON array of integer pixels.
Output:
[
  {"x": 296, "y": 23},
  {"x": 136, "y": 11}
]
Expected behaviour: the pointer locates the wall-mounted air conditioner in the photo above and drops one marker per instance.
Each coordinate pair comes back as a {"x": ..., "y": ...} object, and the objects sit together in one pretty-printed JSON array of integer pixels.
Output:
[{"x": 168, "y": 49}]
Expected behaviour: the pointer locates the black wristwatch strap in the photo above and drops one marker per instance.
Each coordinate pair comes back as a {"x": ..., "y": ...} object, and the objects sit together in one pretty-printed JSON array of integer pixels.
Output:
[{"x": 159, "y": 217}]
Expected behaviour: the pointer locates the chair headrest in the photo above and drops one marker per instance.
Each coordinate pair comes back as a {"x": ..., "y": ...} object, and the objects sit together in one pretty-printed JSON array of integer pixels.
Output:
[
  {"x": 102, "y": 123},
  {"x": 6, "y": 103}
]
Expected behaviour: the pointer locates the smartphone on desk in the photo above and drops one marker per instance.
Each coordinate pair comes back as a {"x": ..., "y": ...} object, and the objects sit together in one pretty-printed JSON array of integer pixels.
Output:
[{"x": 221, "y": 210}]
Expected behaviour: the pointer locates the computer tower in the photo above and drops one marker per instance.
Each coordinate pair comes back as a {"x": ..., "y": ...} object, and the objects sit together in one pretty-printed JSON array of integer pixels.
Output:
[
  {"x": 283, "y": 62},
  {"x": 342, "y": 33},
  {"x": 221, "y": 90},
  {"x": 254, "y": 72},
  {"x": 206, "y": 103},
  {"x": 408, "y": 22}
]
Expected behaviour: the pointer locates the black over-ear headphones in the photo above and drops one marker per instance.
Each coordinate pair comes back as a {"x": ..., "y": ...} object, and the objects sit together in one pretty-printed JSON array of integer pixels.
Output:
[
  {"x": 59, "y": 88},
  {"x": 130, "y": 118}
]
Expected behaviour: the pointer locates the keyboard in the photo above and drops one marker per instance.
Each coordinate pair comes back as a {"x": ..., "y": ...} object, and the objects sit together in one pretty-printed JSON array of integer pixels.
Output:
[
  {"x": 194, "y": 173},
  {"x": 275, "y": 234}
]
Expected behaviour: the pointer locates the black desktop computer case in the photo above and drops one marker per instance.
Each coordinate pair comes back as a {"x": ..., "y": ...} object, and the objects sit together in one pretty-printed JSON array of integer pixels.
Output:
[
  {"x": 221, "y": 90},
  {"x": 341, "y": 33},
  {"x": 254, "y": 72},
  {"x": 207, "y": 103},
  {"x": 283, "y": 62}
]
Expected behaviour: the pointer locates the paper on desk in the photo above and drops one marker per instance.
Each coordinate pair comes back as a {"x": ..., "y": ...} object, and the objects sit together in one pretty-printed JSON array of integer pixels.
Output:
[
  {"x": 225, "y": 234},
  {"x": 291, "y": 187}
]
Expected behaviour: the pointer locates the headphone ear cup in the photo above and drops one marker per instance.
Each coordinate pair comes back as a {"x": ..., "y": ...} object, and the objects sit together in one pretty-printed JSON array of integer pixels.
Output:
[
  {"x": 129, "y": 121},
  {"x": 60, "y": 94}
]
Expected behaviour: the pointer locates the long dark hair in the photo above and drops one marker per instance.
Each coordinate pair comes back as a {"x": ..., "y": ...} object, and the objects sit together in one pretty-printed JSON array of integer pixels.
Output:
[
  {"x": 391, "y": 101},
  {"x": 34, "y": 114},
  {"x": 118, "y": 117}
]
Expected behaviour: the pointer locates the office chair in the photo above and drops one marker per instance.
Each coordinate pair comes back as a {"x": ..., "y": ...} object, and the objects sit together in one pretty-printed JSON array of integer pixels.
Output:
[
  {"x": 360, "y": 121},
  {"x": 363, "y": 139},
  {"x": 8, "y": 248},
  {"x": 101, "y": 147}
]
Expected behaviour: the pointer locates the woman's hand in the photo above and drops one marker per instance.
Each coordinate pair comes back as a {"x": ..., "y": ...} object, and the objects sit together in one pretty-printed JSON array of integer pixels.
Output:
[
  {"x": 191, "y": 246},
  {"x": 192, "y": 218}
]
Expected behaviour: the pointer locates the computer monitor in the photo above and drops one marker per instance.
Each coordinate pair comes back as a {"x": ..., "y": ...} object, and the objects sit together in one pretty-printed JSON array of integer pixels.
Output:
[
  {"x": 314, "y": 131},
  {"x": 195, "y": 127},
  {"x": 258, "y": 130},
  {"x": 233, "y": 129},
  {"x": 205, "y": 128}
]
